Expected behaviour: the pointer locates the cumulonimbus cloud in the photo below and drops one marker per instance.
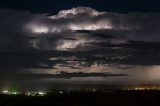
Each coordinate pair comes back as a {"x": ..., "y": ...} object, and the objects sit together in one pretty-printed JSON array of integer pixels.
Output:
[
  {"x": 131, "y": 26},
  {"x": 48, "y": 32},
  {"x": 79, "y": 40}
]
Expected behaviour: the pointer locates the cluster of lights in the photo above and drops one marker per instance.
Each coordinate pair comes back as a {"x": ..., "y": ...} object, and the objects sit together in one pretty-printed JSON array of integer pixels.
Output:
[
  {"x": 144, "y": 88},
  {"x": 28, "y": 93},
  {"x": 9, "y": 92},
  {"x": 40, "y": 93}
]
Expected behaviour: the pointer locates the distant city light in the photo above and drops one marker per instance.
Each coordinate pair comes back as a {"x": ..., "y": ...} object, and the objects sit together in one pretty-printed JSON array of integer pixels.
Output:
[
  {"x": 141, "y": 88},
  {"x": 13, "y": 93},
  {"x": 10, "y": 92},
  {"x": 41, "y": 93},
  {"x": 5, "y": 91},
  {"x": 34, "y": 93},
  {"x": 27, "y": 93}
]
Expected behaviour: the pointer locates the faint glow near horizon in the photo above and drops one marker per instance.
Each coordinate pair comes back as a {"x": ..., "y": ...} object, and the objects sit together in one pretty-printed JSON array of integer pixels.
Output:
[
  {"x": 5, "y": 91},
  {"x": 154, "y": 73}
]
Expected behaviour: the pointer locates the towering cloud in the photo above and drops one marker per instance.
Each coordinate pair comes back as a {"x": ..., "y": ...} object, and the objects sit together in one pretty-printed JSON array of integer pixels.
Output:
[
  {"x": 24, "y": 30},
  {"x": 131, "y": 26},
  {"x": 79, "y": 42}
]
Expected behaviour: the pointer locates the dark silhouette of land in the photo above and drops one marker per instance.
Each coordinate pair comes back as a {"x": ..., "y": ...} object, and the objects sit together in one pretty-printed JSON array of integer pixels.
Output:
[{"x": 85, "y": 98}]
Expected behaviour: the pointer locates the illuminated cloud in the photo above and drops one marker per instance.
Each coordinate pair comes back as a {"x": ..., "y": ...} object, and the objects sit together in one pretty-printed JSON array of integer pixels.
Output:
[
  {"x": 65, "y": 45},
  {"x": 38, "y": 29},
  {"x": 90, "y": 26},
  {"x": 78, "y": 41},
  {"x": 74, "y": 11},
  {"x": 122, "y": 27},
  {"x": 27, "y": 30},
  {"x": 82, "y": 29},
  {"x": 41, "y": 29}
]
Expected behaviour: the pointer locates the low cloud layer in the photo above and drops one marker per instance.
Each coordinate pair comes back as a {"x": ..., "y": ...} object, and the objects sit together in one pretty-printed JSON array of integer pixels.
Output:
[{"x": 66, "y": 75}]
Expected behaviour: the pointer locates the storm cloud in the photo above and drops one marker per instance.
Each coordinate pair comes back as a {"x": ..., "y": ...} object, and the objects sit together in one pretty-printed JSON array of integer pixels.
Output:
[
  {"x": 53, "y": 32},
  {"x": 81, "y": 41},
  {"x": 81, "y": 32}
]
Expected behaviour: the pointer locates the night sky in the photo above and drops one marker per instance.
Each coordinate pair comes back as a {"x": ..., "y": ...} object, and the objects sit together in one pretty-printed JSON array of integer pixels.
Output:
[
  {"x": 70, "y": 44},
  {"x": 54, "y": 6}
]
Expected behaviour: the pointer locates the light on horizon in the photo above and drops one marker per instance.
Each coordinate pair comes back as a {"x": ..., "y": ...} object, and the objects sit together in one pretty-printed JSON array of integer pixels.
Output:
[{"x": 5, "y": 91}]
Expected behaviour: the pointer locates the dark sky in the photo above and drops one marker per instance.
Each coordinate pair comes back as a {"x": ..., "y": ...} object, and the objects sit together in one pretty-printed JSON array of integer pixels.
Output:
[{"x": 101, "y": 5}]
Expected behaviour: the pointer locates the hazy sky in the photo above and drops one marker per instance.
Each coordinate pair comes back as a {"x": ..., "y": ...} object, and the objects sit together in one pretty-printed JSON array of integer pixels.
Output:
[{"x": 78, "y": 44}]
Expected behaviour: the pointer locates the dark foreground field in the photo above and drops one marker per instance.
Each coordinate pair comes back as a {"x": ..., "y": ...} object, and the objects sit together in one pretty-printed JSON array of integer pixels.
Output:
[{"x": 114, "y": 98}]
